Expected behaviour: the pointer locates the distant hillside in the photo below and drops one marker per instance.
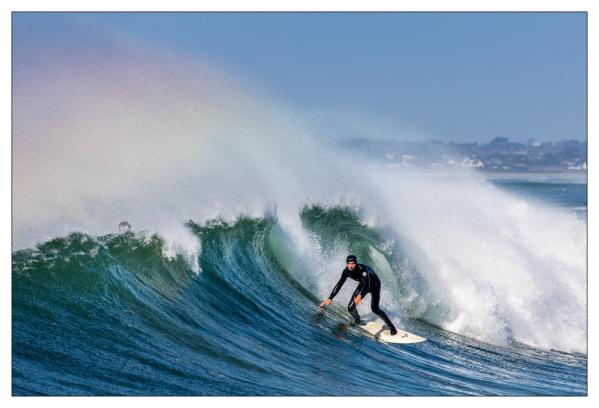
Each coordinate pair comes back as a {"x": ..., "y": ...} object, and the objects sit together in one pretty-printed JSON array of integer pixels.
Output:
[{"x": 497, "y": 155}]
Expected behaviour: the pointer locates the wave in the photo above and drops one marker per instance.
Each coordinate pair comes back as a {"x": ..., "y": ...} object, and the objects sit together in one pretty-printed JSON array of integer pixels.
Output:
[
  {"x": 257, "y": 265},
  {"x": 155, "y": 139},
  {"x": 124, "y": 314}
]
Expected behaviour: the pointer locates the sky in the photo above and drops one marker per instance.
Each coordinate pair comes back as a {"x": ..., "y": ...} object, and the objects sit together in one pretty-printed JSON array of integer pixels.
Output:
[{"x": 462, "y": 77}]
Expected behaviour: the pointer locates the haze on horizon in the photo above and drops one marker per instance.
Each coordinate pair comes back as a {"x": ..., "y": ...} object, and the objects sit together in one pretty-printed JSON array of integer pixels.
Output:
[{"x": 461, "y": 77}]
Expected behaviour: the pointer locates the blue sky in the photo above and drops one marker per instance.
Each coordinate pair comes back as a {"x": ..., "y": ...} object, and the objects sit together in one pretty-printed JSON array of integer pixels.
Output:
[{"x": 449, "y": 76}]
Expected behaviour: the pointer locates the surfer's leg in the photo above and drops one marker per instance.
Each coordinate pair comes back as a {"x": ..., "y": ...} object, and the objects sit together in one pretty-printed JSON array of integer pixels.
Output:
[
  {"x": 351, "y": 307},
  {"x": 374, "y": 306}
]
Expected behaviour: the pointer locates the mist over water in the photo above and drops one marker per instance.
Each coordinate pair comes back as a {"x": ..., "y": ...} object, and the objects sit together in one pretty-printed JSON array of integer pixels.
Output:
[
  {"x": 497, "y": 267},
  {"x": 160, "y": 139}
]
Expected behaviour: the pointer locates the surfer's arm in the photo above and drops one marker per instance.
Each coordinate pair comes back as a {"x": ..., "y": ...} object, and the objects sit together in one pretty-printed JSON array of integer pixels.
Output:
[{"x": 338, "y": 285}]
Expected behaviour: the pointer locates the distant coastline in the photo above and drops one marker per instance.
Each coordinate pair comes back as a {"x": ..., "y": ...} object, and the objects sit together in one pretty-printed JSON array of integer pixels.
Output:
[{"x": 497, "y": 156}]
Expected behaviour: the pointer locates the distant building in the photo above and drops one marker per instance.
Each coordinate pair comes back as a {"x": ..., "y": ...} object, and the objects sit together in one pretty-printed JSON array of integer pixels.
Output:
[{"x": 499, "y": 154}]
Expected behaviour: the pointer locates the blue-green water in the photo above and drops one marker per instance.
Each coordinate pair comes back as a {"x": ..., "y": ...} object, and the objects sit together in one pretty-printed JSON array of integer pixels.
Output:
[
  {"x": 569, "y": 193},
  {"x": 113, "y": 315}
]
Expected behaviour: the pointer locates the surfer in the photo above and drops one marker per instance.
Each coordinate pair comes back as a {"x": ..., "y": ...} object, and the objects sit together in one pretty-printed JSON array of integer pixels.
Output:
[
  {"x": 369, "y": 283},
  {"x": 124, "y": 227}
]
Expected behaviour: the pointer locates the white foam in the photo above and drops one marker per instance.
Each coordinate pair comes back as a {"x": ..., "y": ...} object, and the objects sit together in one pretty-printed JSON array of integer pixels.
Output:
[
  {"x": 181, "y": 241},
  {"x": 498, "y": 267}
]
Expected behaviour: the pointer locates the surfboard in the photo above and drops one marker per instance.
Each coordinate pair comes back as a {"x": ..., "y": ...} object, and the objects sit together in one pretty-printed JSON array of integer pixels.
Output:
[{"x": 381, "y": 332}]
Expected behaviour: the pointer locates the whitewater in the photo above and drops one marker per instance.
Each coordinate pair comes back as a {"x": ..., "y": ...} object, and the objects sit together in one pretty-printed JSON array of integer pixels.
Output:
[{"x": 243, "y": 213}]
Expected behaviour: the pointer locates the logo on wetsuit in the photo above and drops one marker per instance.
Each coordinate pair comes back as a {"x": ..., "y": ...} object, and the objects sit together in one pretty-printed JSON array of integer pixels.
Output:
[{"x": 363, "y": 273}]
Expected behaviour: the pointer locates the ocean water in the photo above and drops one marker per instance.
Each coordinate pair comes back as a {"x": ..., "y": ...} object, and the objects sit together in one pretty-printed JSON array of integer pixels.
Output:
[
  {"x": 568, "y": 191},
  {"x": 243, "y": 213},
  {"x": 122, "y": 314}
]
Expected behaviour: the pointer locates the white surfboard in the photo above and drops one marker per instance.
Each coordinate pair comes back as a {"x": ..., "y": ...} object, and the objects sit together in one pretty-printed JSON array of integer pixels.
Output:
[{"x": 381, "y": 332}]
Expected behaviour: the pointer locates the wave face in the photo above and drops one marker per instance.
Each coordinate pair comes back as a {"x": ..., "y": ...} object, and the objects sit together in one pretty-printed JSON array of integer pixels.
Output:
[{"x": 123, "y": 315}]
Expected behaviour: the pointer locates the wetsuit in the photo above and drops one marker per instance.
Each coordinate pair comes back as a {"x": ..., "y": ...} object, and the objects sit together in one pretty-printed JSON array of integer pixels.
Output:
[{"x": 369, "y": 283}]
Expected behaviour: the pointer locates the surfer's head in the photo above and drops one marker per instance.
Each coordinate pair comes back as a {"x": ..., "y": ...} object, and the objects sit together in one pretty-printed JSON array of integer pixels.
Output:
[{"x": 351, "y": 262}]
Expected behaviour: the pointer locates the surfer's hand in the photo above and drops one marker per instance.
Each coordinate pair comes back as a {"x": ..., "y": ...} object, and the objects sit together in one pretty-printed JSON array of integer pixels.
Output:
[
  {"x": 325, "y": 302},
  {"x": 358, "y": 299}
]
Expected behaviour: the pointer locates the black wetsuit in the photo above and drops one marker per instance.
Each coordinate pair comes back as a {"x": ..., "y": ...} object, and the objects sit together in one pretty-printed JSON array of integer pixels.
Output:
[{"x": 369, "y": 283}]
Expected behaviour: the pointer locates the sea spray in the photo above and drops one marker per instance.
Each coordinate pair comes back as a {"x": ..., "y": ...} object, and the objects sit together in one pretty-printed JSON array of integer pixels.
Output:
[{"x": 498, "y": 267}]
